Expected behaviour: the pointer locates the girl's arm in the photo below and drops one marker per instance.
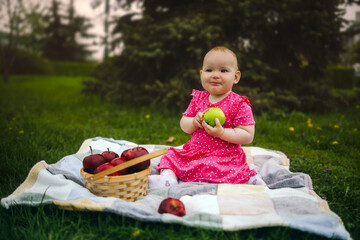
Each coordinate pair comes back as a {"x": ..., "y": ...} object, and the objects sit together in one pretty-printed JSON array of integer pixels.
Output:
[
  {"x": 191, "y": 124},
  {"x": 238, "y": 135}
]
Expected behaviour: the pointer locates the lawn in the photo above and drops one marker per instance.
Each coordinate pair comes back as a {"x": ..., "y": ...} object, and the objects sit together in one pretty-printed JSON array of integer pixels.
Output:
[{"x": 46, "y": 118}]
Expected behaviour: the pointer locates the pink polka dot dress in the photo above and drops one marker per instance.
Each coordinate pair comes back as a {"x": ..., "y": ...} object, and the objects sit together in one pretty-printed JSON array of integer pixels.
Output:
[{"x": 205, "y": 158}]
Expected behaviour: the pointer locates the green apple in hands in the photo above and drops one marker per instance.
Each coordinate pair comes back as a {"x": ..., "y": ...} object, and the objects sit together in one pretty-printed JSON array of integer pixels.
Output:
[{"x": 211, "y": 114}]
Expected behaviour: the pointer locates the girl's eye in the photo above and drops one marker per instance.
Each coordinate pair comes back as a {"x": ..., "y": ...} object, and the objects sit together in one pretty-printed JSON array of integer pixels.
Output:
[
  {"x": 224, "y": 70},
  {"x": 208, "y": 70}
]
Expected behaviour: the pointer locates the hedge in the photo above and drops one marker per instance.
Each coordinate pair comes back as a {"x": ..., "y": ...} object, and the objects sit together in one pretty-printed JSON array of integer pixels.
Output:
[{"x": 341, "y": 77}]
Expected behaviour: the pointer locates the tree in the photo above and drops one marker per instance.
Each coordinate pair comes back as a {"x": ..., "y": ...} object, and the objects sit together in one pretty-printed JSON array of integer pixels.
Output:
[
  {"x": 14, "y": 17},
  {"x": 27, "y": 27},
  {"x": 23, "y": 31},
  {"x": 355, "y": 53},
  {"x": 78, "y": 26},
  {"x": 283, "y": 48},
  {"x": 352, "y": 54},
  {"x": 108, "y": 48},
  {"x": 61, "y": 41}
]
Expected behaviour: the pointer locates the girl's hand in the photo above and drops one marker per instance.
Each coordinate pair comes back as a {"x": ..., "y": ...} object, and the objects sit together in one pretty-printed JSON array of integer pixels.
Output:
[
  {"x": 198, "y": 119},
  {"x": 216, "y": 131}
]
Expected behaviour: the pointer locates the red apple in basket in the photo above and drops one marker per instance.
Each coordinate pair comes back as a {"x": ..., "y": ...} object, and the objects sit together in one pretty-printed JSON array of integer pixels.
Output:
[
  {"x": 104, "y": 167},
  {"x": 123, "y": 154},
  {"x": 109, "y": 155},
  {"x": 118, "y": 161},
  {"x": 172, "y": 206},
  {"x": 134, "y": 153},
  {"x": 93, "y": 161}
]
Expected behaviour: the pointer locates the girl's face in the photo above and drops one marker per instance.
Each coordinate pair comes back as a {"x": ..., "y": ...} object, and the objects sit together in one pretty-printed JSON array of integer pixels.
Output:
[{"x": 219, "y": 73}]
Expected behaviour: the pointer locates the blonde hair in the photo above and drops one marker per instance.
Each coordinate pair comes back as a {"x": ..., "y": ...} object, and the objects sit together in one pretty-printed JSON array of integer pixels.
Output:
[{"x": 224, "y": 49}]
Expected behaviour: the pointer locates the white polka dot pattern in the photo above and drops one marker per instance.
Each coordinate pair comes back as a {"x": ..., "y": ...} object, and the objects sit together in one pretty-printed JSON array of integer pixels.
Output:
[{"x": 208, "y": 159}]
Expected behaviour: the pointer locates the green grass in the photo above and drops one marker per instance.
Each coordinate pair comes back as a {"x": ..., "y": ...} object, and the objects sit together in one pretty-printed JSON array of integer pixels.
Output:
[{"x": 46, "y": 118}]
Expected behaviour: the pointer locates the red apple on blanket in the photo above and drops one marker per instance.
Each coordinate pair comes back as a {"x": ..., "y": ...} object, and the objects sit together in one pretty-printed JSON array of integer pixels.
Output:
[
  {"x": 172, "y": 206},
  {"x": 104, "y": 167},
  {"x": 109, "y": 155},
  {"x": 118, "y": 161},
  {"x": 134, "y": 153},
  {"x": 93, "y": 161}
]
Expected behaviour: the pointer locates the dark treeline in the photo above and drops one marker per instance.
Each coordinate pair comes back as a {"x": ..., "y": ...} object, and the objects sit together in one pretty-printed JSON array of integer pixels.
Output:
[{"x": 283, "y": 49}]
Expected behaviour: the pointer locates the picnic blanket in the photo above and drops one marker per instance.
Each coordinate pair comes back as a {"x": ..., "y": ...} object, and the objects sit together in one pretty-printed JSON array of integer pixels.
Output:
[{"x": 288, "y": 199}]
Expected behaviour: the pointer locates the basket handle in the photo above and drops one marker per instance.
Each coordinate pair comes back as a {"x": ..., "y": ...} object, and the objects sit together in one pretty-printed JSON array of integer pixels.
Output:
[{"x": 128, "y": 164}]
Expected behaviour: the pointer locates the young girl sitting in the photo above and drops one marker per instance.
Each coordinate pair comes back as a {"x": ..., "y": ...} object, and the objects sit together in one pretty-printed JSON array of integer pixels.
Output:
[{"x": 213, "y": 154}]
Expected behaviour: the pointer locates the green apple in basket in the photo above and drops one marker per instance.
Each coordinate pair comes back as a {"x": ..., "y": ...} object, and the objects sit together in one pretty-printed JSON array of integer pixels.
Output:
[{"x": 211, "y": 114}]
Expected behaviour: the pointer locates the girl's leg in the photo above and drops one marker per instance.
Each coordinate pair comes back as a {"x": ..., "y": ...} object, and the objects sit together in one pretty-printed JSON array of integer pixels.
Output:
[
  {"x": 256, "y": 180},
  {"x": 166, "y": 178}
]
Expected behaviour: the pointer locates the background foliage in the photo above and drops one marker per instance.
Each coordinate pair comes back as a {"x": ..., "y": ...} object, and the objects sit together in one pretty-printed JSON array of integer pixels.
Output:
[
  {"x": 40, "y": 31},
  {"x": 33, "y": 63},
  {"x": 61, "y": 32},
  {"x": 283, "y": 50}
]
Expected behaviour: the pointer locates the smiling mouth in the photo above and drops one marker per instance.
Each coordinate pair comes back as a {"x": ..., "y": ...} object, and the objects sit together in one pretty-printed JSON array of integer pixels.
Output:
[{"x": 214, "y": 83}]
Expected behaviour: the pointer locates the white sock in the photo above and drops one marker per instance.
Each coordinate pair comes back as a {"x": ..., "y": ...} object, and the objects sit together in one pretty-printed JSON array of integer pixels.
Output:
[
  {"x": 256, "y": 180},
  {"x": 166, "y": 178}
]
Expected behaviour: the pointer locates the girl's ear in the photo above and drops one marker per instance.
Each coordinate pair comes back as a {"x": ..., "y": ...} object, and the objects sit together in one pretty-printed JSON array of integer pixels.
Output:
[
  {"x": 237, "y": 77},
  {"x": 200, "y": 73}
]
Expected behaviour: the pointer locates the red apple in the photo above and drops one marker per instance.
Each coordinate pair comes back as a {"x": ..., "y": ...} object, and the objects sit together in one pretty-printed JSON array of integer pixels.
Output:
[
  {"x": 134, "y": 153},
  {"x": 92, "y": 161},
  {"x": 172, "y": 206},
  {"x": 123, "y": 154},
  {"x": 105, "y": 166},
  {"x": 118, "y": 161},
  {"x": 109, "y": 155}
]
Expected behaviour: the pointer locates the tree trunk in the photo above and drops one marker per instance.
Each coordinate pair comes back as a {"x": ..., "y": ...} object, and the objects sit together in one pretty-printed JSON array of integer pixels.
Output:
[
  {"x": 8, "y": 62},
  {"x": 5, "y": 75}
]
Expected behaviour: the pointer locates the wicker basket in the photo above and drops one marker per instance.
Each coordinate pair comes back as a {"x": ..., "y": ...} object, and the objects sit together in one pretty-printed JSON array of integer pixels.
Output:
[{"x": 129, "y": 187}]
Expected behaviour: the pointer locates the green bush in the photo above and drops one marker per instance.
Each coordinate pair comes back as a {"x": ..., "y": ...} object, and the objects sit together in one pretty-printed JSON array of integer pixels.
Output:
[
  {"x": 346, "y": 97},
  {"x": 129, "y": 85},
  {"x": 72, "y": 68},
  {"x": 357, "y": 81},
  {"x": 340, "y": 76},
  {"x": 117, "y": 84},
  {"x": 26, "y": 62},
  {"x": 268, "y": 101},
  {"x": 33, "y": 63}
]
